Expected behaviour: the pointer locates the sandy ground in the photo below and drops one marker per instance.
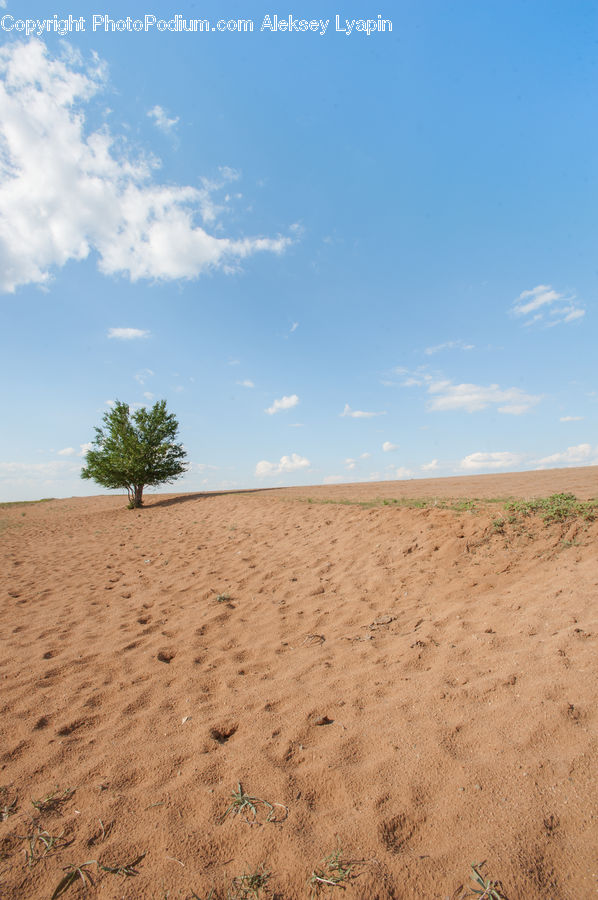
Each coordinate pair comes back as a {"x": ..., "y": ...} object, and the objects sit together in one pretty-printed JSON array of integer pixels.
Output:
[{"x": 415, "y": 687}]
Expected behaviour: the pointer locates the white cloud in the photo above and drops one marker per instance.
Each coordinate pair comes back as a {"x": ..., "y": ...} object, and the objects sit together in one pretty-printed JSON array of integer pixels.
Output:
[
  {"x": 430, "y": 467},
  {"x": 291, "y": 463},
  {"x": 204, "y": 467},
  {"x": 83, "y": 448},
  {"x": 365, "y": 455},
  {"x": 127, "y": 334},
  {"x": 403, "y": 472},
  {"x": 92, "y": 193},
  {"x": 148, "y": 395},
  {"x": 572, "y": 456},
  {"x": 543, "y": 304},
  {"x": 359, "y": 414},
  {"x": 475, "y": 397},
  {"x": 283, "y": 403},
  {"x": 448, "y": 345},
  {"x": 571, "y": 419},
  {"x": 142, "y": 376},
  {"x": 67, "y": 451},
  {"x": 498, "y": 460},
  {"x": 332, "y": 479},
  {"x": 388, "y": 447},
  {"x": 294, "y": 327},
  {"x": 350, "y": 463},
  {"x": 247, "y": 383},
  {"x": 161, "y": 120}
]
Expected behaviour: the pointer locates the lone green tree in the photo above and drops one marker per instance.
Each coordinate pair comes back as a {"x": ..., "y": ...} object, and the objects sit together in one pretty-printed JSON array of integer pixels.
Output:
[{"x": 134, "y": 450}]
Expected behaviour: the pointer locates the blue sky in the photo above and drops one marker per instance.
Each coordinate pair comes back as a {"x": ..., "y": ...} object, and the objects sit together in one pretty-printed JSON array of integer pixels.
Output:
[{"x": 338, "y": 257}]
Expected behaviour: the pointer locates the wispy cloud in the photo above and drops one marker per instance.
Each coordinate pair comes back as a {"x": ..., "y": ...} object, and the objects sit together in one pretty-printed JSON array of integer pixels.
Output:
[
  {"x": 403, "y": 472},
  {"x": 502, "y": 459},
  {"x": 282, "y": 404},
  {"x": 388, "y": 447},
  {"x": 545, "y": 305},
  {"x": 359, "y": 413},
  {"x": 97, "y": 194},
  {"x": 294, "y": 327},
  {"x": 571, "y": 419},
  {"x": 449, "y": 345},
  {"x": 291, "y": 463},
  {"x": 127, "y": 334},
  {"x": 67, "y": 451},
  {"x": 142, "y": 376},
  {"x": 333, "y": 479},
  {"x": 580, "y": 455},
  {"x": 246, "y": 383},
  {"x": 474, "y": 397},
  {"x": 161, "y": 120}
]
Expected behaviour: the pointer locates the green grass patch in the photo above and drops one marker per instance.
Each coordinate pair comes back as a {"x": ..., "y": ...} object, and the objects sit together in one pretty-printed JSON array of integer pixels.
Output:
[{"x": 556, "y": 508}]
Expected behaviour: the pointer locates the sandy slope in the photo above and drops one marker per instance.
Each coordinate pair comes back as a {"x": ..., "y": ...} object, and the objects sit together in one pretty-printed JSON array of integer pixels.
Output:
[{"x": 453, "y": 668}]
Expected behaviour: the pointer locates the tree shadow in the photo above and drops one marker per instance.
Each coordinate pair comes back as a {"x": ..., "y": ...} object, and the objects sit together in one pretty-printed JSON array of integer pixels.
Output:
[{"x": 202, "y": 495}]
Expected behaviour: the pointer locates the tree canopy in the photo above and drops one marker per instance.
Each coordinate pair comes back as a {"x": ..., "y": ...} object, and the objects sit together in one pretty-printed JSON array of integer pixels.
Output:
[{"x": 135, "y": 450}]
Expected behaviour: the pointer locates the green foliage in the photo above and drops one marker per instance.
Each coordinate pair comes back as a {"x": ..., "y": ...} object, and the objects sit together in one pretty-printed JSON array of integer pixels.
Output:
[
  {"x": 133, "y": 450},
  {"x": 556, "y": 508}
]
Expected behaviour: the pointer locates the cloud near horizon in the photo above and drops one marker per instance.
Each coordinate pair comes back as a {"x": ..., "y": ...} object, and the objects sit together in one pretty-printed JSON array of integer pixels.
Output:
[
  {"x": 497, "y": 460},
  {"x": 92, "y": 193},
  {"x": 579, "y": 455}
]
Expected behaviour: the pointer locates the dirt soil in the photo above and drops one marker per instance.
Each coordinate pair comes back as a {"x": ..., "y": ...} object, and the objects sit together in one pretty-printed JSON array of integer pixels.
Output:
[{"x": 415, "y": 688}]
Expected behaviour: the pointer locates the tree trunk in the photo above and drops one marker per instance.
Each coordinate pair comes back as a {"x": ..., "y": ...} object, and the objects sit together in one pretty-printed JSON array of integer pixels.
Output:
[{"x": 138, "y": 498}]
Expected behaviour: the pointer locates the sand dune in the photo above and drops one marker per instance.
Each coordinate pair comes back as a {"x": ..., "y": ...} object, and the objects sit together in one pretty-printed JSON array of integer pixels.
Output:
[{"x": 415, "y": 687}]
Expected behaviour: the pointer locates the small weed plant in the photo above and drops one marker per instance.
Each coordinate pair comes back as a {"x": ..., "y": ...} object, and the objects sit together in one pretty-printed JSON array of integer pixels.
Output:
[
  {"x": 250, "y": 885},
  {"x": 52, "y": 802},
  {"x": 333, "y": 872},
  {"x": 486, "y": 889},
  {"x": 247, "y": 806}
]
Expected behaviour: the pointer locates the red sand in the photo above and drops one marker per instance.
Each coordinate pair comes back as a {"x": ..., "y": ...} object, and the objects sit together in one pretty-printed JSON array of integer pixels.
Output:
[{"x": 453, "y": 667}]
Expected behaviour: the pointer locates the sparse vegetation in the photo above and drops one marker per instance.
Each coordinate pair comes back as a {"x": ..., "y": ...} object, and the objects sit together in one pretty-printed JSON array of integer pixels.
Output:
[
  {"x": 8, "y": 503},
  {"x": 41, "y": 844},
  {"x": 53, "y": 801},
  {"x": 7, "y": 807},
  {"x": 73, "y": 874},
  {"x": 250, "y": 885},
  {"x": 556, "y": 508},
  {"x": 126, "y": 869},
  {"x": 487, "y": 889},
  {"x": 245, "y": 804},
  {"x": 333, "y": 872},
  {"x": 222, "y": 598}
]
